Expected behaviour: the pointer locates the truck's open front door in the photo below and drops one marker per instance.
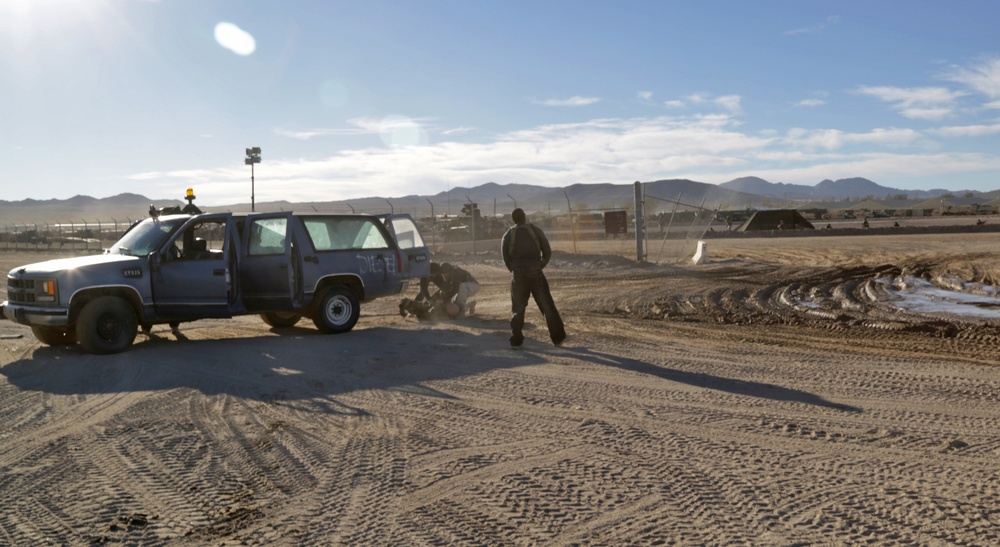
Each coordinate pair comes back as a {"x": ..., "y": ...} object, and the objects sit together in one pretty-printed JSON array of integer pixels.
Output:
[{"x": 269, "y": 270}]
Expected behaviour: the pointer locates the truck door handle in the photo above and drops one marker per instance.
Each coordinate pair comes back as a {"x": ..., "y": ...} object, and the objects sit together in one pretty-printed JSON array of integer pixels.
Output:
[
  {"x": 219, "y": 271},
  {"x": 312, "y": 259},
  {"x": 282, "y": 266}
]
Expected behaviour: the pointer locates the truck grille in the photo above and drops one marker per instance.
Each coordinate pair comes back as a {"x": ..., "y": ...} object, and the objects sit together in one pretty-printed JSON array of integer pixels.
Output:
[{"x": 21, "y": 291}]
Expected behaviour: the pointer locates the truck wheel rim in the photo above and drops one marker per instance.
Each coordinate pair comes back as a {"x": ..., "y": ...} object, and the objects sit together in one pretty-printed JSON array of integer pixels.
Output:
[
  {"x": 338, "y": 310},
  {"x": 109, "y": 327}
]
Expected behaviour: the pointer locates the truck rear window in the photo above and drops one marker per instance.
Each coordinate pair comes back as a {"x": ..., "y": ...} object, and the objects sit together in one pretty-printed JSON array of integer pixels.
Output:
[{"x": 340, "y": 234}]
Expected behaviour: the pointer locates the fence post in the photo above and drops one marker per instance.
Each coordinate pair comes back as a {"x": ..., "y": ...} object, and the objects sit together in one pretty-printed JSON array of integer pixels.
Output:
[
  {"x": 572, "y": 222},
  {"x": 640, "y": 228}
]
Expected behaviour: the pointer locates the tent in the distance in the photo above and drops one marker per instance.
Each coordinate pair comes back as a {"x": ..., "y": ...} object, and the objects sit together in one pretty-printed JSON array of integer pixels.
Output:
[{"x": 775, "y": 219}]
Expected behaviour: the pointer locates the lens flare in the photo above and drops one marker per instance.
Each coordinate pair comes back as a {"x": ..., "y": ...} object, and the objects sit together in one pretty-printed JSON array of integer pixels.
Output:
[
  {"x": 334, "y": 94},
  {"x": 235, "y": 39},
  {"x": 399, "y": 131}
]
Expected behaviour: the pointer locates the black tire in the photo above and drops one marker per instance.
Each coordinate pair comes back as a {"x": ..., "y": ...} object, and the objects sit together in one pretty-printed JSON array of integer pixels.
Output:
[
  {"x": 106, "y": 325},
  {"x": 337, "y": 310},
  {"x": 281, "y": 319},
  {"x": 55, "y": 336}
]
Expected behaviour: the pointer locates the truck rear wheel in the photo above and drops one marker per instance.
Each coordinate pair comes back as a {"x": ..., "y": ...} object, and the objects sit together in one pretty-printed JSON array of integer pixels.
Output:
[
  {"x": 55, "y": 336},
  {"x": 281, "y": 319},
  {"x": 338, "y": 310},
  {"x": 106, "y": 325}
]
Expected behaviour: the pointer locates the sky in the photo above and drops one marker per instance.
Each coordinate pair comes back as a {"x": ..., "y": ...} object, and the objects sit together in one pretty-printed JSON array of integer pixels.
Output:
[{"x": 350, "y": 99}]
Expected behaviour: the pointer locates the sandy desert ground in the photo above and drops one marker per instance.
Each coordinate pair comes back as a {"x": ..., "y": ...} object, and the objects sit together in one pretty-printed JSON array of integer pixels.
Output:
[{"x": 775, "y": 396}]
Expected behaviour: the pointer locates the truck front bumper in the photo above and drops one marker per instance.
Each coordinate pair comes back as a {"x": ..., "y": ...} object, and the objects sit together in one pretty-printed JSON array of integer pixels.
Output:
[{"x": 35, "y": 316}]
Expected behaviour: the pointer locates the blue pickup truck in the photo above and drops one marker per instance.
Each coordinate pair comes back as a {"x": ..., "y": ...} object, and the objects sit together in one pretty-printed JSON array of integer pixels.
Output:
[{"x": 173, "y": 268}]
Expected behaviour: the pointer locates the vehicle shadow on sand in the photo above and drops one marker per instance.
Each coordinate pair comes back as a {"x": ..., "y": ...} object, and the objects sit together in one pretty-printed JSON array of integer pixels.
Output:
[
  {"x": 302, "y": 364},
  {"x": 298, "y": 364}
]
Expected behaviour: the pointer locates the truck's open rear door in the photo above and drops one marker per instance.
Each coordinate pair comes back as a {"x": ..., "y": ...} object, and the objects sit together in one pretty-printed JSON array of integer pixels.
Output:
[
  {"x": 416, "y": 256},
  {"x": 268, "y": 272}
]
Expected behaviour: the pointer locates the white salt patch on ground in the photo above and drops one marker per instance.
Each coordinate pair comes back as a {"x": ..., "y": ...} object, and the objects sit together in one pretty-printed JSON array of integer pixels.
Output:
[{"x": 920, "y": 296}]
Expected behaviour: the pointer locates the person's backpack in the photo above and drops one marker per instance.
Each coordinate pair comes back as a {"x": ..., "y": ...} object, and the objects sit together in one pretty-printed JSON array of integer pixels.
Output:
[{"x": 513, "y": 237}]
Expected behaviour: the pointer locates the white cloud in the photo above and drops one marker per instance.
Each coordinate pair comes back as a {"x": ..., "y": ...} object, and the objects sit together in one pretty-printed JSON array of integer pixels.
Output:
[
  {"x": 925, "y": 113},
  {"x": 363, "y": 126},
  {"x": 984, "y": 77},
  {"x": 645, "y": 95},
  {"x": 915, "y": 102},
  {"x": 810, "y": 102},
  {"x": 706, "y": 147},
  {"x": 729, "y": 102},
  {"x": 235, "y": 39},
  {"x": 572, "y": 101},
  {"x": 816, "y": 29},
  {"x": 833, "y": 139},
  {"x": 969, "y": 130},
  {"x": 304, "y": 134},
  {"x": 457, "y": 130}
]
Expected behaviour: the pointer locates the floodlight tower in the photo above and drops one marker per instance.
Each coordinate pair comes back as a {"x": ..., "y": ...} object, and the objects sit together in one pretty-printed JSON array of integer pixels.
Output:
[{"x": 253, "y": 156}]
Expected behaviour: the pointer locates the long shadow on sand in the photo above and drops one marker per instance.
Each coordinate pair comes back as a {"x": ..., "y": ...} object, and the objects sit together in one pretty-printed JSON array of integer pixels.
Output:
[{"x": 708, "y": 381}]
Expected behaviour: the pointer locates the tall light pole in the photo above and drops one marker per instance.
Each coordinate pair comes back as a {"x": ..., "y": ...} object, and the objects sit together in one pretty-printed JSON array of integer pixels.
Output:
[
  {"x": 512, "y": 199},
  {"x": 253, "y": 156}
]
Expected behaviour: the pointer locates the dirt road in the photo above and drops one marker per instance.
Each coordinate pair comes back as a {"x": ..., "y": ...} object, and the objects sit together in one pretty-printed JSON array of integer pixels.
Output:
[{"x": 773, "y": 396}]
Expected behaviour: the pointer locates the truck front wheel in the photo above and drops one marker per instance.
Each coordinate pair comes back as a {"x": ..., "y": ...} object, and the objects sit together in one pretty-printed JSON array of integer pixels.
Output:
[
  {"x": 55, "y": 336},
  {"x": 338, "y": 310},
  {"x": 106, "y": 325}
]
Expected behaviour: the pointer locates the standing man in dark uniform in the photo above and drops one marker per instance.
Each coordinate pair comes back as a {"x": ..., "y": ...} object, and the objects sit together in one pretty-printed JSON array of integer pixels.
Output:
[{"x": 526, "y": 252}]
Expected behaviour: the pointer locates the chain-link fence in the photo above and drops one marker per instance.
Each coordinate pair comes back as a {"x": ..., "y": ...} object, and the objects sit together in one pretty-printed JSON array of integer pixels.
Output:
[
  {"x": 63, "y": 237},
  {"x": 672, "y": 235}
]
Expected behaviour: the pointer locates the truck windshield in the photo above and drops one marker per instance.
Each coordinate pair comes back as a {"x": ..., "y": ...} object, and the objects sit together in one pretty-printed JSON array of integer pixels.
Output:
[{"x": 145, "y": 237}]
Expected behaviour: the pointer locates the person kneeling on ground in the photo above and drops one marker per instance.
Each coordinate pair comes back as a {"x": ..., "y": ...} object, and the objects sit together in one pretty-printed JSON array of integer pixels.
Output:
[
  {"x": 462, "y": 286},
  {"x": 435, "y": 278}
]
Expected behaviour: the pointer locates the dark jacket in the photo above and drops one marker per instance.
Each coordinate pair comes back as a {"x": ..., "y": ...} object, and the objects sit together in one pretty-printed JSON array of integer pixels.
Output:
[
  {"x": 425, "y": 283},
  {"x": 530, "y": 250},
  {"x": 456, "y": 276}
]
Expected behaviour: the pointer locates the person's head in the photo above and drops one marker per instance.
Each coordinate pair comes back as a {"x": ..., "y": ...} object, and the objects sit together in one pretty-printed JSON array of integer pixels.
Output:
[
  {"x": 447, "y": 268},
  {"x": 518, "y": 216}
]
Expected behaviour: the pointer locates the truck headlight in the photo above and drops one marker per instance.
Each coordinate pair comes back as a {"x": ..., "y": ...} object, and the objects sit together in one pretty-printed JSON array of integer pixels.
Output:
[{"x": 46, "y": 291}]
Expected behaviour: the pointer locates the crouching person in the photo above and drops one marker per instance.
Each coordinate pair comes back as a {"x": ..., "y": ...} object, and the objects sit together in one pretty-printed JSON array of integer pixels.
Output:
[{"x": 463, "y": 286}]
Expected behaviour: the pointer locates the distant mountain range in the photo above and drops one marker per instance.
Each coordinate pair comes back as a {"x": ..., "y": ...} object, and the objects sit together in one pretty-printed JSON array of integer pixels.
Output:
[
  {"x": 843, "y": 189},
  {"x": 661, "y": 195}
]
